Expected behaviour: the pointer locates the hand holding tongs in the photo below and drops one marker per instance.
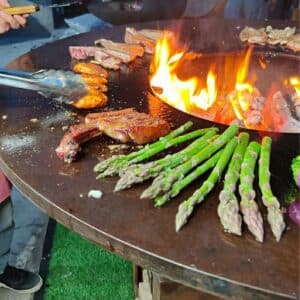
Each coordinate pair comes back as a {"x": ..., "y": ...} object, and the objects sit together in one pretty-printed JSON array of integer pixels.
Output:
[
  {"x": 28, "y": 9},
  {"x": 63, "y": 86}
]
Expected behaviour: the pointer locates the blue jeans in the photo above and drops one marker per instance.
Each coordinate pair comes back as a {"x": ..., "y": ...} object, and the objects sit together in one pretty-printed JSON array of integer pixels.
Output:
[
  {"x": 248, "y": 9},
  {"x": 22, "y": 233}
]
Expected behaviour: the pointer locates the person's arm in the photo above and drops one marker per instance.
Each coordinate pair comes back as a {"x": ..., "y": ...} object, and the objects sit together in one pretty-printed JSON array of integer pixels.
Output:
[{"x": 8, "y": 22}]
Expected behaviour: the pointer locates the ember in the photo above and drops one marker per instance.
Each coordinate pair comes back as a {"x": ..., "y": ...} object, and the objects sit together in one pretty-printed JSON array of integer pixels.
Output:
[{"x": 225, "y": 91}]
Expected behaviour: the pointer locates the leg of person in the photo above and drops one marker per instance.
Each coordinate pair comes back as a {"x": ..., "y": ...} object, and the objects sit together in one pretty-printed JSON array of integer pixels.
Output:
[
  {"x": 26, "y": 245},
  {"x": 29, "y": 234},
  {"x": 6, "y": 232},
  {"x": 233, "y": 9}
]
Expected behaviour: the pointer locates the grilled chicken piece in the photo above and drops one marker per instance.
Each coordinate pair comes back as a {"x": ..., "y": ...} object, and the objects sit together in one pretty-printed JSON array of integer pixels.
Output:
[
  {"x": 131, "y": 49},
  {"x": 82, "y": 52},
  {"x": 254, "y": 36},
  {"x": 71, "y": 142},
  {"x": 133, "y": 126},
  {"x": 279, "y": 36},
  {"x": 90, "y": 69},
  {"x": 94, "y": 98},
  {"x": 294, "y": 43},
  {"x": 92, "y": 80},
  {"x": 134, "y": 37},
  {"x": 106, "y": 60},
  {"x": 92, "y": 118}
]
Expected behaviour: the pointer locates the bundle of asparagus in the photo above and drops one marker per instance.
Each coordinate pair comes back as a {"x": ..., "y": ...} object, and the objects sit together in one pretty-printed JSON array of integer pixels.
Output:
[{"x": 173, "y": 172}]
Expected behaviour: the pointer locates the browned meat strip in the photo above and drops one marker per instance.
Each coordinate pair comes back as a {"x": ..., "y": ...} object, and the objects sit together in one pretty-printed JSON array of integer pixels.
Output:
[
  {"x": 134, "y": 37},
  {"x": 71, "y": 142},
  {"x": 82, "y": 52},
  {"x": 131, "y": 49},
  {"x": 106, "y": 60}
]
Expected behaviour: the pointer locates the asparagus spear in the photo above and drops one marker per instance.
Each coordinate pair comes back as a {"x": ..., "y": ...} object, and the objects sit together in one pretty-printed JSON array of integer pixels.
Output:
[
  {"x": 228, "y": 209},
  {"x": 164, "y": 181},
  {"x": 141, "y": 172},
  {"x": 275, "y": 216},
  {"x": 117, "y": 167},
  {"x": 186, "y": 208},
  {"x": 249, "y": 208},
  {"x": 182, "y": 183},
  {"x": 100, "y": 167}
]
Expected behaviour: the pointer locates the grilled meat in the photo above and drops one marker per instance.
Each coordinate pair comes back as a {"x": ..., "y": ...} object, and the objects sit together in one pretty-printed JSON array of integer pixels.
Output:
[
  {"x": 106, "y": 60},
  {"x": 279, "y": 36},
  {"x": 131, "y": 49},
  {"x": 294, "y": 43},
  {"x": 92, "y": 80},
  {"x": 94, "y": 98},
  {"x": 254, "y": 36},
  {"x": 133, "y": 126},
  {"x": 90, "y": 69},
  {"x": 134, "y": 37},
  {"x": 71, "y": 142},
  {"x": 92, "y": 118},
  {"x": 82, "y": 52}
]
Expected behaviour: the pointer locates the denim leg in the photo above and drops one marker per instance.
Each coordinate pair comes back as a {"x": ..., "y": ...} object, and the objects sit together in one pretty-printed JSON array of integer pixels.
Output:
[
  {"x": 233, "y": 9},
  {"x": 6, "y": 232},
  {"x": 29, "y": 234},
  {"x": 255, "y": 9}
]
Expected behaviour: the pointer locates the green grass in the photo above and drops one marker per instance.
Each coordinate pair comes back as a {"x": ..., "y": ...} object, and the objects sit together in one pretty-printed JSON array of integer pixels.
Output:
[{"x": 81, "y": 270}]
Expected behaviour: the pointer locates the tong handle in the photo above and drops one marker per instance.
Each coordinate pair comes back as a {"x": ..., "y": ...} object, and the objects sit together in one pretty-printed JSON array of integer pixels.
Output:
[{"x": 20, "y": 10}]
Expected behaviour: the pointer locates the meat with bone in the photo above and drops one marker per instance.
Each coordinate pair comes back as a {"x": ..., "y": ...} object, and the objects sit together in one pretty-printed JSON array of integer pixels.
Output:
[
  {"x": 133, "y": 126},
  {"x": 71, "y": 142},
  {"x": 131, "y": 49}
]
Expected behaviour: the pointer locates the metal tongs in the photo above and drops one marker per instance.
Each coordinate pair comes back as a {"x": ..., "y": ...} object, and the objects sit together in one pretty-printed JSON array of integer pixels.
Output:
[{"x": 62, "y": 86}]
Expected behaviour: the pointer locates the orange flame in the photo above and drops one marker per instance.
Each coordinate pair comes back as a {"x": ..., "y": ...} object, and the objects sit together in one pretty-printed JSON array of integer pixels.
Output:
[
  {"x": 295, "y": 83},
  {"x": 198, "y": 95},
  {"x": 182, "y": 94}
]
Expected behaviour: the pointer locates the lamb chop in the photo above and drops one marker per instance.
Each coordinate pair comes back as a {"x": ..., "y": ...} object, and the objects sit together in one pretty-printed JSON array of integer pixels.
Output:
[
  {"x": 71, "y": 142},
  {"x": 124, "y": 125}
]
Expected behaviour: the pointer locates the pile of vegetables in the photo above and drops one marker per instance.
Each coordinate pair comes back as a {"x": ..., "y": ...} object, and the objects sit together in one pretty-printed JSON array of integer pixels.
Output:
[{"x": 230, "y": 154}]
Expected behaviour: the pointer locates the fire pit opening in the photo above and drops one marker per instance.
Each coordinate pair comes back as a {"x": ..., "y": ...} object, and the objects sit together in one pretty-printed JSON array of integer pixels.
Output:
[{"x": 257, "y": 90}]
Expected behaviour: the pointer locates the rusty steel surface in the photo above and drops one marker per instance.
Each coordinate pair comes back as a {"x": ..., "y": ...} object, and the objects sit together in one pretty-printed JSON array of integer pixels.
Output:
[{"x": 201, "y": 255}]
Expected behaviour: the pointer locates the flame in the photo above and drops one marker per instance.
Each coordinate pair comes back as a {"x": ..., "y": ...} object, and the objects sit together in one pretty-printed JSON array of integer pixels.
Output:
[
  {"x": 236, "y": 99},
  {"x": 183, "y": 94},
  {"x": 295, "y": 83}
]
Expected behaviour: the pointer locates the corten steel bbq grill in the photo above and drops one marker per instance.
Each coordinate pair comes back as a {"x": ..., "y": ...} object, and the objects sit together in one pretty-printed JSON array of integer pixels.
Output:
[{"x": 201, "y": 255}]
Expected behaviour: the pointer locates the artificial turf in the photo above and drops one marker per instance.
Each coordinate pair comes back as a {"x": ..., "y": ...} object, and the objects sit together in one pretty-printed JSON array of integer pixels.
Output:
[{"x": 80, "y": 270}]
